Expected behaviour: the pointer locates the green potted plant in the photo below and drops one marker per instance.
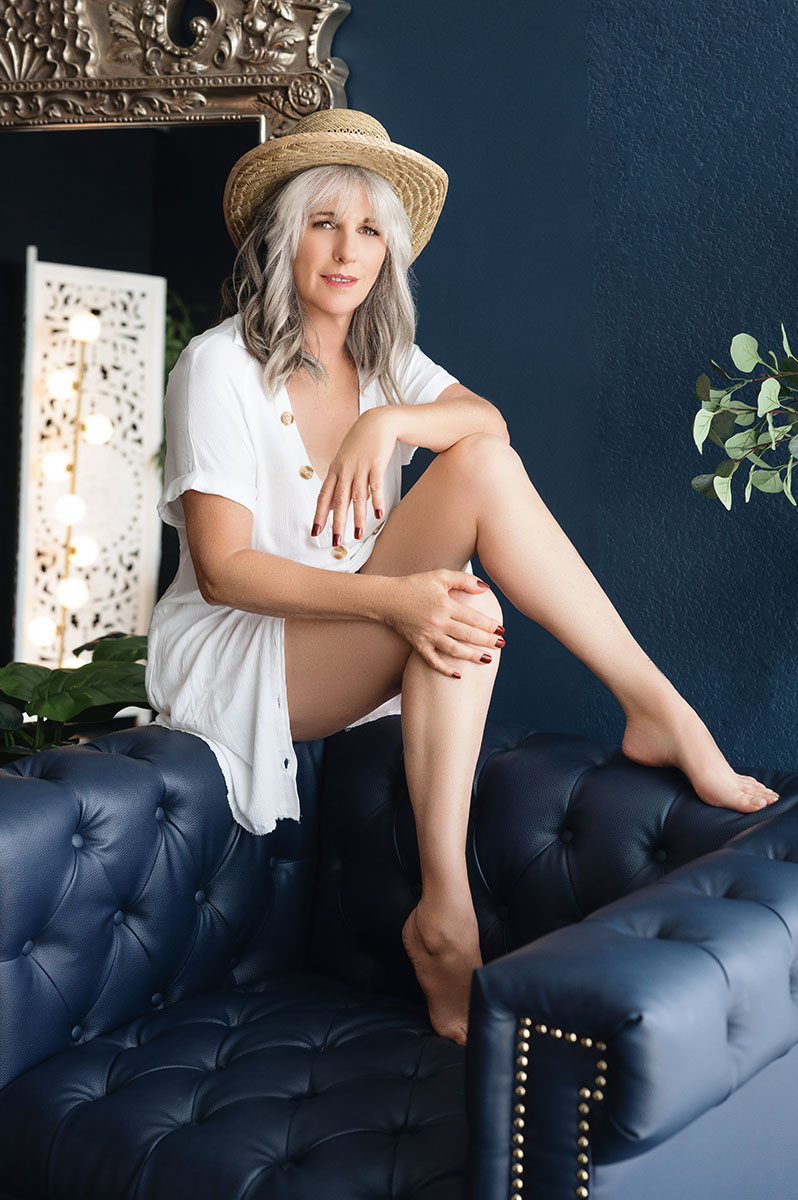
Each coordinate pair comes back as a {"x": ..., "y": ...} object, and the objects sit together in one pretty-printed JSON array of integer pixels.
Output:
[
  {"x": 62, "y": 700},
  {"x": 748, "y": 432}
]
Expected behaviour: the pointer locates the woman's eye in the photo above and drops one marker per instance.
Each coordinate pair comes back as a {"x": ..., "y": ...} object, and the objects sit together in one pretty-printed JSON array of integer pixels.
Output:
[
  {"x": 368, "y": 229},
  {"x": 321, "y": 224}
]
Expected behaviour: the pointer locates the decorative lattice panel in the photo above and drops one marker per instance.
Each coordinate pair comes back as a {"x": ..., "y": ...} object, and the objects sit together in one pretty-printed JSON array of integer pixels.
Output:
[{"x": 120, "y": 481}]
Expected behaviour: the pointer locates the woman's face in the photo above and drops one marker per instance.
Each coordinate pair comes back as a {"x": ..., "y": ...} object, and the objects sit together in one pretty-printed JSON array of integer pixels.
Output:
[{"x": 339, "y": 258}]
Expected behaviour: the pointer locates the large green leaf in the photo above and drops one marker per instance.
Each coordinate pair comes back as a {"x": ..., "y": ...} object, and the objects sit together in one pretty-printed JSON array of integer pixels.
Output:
[
  {"x": 739, "y": 444},
  {"x": 66, "y": 693},
  {"x": 10, "y": 717},
  {"x": 116, "y": 647},
  {"x": 20, "y": 679}
]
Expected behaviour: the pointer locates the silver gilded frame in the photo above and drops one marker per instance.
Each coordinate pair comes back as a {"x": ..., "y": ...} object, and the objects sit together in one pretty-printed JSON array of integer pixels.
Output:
[{"x": 102, "y": 63}]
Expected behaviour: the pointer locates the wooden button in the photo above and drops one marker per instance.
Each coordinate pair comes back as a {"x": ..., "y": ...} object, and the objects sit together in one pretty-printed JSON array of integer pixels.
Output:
[
  {"x": 287, "y": 418},
  {"x": 339, "y": 551},
  {"x": 306, "y": 472}
]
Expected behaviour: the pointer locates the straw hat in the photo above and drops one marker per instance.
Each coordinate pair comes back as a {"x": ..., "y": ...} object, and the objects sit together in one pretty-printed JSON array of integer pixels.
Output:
[{"x": 338, "y": 135}]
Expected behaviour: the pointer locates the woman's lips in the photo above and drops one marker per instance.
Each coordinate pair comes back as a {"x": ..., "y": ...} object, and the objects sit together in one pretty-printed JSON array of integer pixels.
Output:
[{"x": 340, "y": 281}]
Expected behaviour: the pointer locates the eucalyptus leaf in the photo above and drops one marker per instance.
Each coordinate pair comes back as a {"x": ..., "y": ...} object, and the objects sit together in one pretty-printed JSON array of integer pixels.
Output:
[
  {"x": 720, "y": 370},
  {"x": 744, "y": 351},
  {"x": 723, "y": 424},
  {"x": 701, "y": 426},
  {"x": 750, "y": 483},
  {"x": 745, "y": 418},
  {"x": 788, "y": 483},
  {"x": 789, "y": 367},
  {"x": 792, "y": 446},
  {"x": 784, "y": 341},
  {"x": 739, "y": 444},
  {"x": 702, "y": 388},
  {"x": 768, "y": 398},
  {"x": 723, "y": 490},
  {"x": 726, "y": 468},
  {"x": 771, "y": 431},
  {"x": 705, "y": 484},
  {"x": 767, "y": 481}
]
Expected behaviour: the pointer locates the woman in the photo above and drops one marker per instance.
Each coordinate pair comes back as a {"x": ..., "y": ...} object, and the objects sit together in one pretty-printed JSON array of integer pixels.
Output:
[{"x": 308, "y": 596}]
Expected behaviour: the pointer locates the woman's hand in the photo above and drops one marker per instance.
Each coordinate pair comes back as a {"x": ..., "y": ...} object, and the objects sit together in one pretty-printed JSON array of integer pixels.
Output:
[
  {"x": 359, "y": 466},
  {"x": 426, "y": 611}
]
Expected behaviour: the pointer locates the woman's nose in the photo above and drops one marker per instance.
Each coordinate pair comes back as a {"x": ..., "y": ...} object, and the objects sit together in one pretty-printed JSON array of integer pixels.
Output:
[{"x": 345, "y": 248}]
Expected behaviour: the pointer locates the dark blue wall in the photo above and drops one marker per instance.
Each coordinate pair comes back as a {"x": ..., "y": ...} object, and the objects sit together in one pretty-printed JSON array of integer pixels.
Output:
[{"x": 621, "y": 203}]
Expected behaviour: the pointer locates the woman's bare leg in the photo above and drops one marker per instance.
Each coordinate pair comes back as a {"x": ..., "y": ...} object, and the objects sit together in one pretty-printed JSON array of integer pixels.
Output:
[{"x": 477, "y": 496}]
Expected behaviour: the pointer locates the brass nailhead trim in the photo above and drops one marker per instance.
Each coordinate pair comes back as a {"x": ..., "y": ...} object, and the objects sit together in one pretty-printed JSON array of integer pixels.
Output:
[{"x": 586, "y": 1098}]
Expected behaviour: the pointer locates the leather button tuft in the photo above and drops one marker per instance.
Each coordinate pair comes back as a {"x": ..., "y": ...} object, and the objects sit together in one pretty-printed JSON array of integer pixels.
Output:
[
  {"x": 77, "y": 840},
  {"x": 199, "y": 896},
  {"x": 157, "y": 999},
  {"x": 566, "y": 836},
  {"x": 77, "y": 1033},
  {"x": 119, "y": 917},
  {"x": 660, "y": 856},
  {"x": 306, "y": 472},
  {"x": 159, "y": 813},
  {"x": 287, "y": 418},
  {"x": 339, "y": 552},
  {"x": 28, "y": 947}
]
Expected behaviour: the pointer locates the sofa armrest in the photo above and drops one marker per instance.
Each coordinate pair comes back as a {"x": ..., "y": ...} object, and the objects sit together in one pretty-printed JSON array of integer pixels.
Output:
[{"x": 635, "y": 1020}]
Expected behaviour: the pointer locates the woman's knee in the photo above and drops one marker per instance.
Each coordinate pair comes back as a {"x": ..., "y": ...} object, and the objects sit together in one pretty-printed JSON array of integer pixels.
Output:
[
  {"x": 478, "y": 455},
  {"x": 485, "y": 602}
]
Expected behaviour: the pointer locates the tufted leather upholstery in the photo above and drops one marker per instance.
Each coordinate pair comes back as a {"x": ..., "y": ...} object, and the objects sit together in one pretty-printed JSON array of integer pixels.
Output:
[{"x": 184, "y": 1005}]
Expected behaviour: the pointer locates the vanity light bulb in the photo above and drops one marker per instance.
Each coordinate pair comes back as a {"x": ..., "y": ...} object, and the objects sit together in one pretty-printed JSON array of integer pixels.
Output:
[
  {"x": 85, "y": 550},
  {"x": 84, "y": 327},
  {"x": 61, "y": 384},
  {"x": 72, "y": 593},
  {"x": 42, "y": 631},
  {"x": 69, "y": 509},
  {"x": 55, "y": 466},
  {"x": 97, "y": 428}
]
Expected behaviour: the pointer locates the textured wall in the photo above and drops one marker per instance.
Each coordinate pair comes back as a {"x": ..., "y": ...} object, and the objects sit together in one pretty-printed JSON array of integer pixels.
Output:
[
  {"x": 620, "y": 206},
  {"x": 691, "y": 126}
]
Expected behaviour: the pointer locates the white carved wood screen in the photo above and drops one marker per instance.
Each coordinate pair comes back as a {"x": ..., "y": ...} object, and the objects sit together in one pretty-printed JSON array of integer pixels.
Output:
[{"x": 119, "y": 480}]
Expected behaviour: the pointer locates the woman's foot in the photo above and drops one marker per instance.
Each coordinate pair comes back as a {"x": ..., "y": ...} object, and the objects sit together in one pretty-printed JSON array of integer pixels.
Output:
[
  {"x": 669, "y": 732},
  {"x": 444, "y": 953}
]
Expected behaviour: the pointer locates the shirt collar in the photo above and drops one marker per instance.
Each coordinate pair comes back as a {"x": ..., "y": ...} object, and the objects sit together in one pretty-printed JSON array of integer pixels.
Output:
[{"x": 238, "y": 338}]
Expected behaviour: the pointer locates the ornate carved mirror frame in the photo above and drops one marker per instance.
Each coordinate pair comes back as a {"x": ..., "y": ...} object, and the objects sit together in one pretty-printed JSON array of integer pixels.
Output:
[{"x": 103, "y": 63}]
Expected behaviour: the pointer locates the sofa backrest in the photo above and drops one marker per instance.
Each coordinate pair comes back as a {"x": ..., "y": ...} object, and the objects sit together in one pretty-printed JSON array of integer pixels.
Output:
[
  {"x": 126, "y": 884},
  {"x": 559, "y": 826}
]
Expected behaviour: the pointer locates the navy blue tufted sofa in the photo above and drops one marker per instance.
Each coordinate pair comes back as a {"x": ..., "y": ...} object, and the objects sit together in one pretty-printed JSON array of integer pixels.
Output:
[{"x": 188, "y": 1010}]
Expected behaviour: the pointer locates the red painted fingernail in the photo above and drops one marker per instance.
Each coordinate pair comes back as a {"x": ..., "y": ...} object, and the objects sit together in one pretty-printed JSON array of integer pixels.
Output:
[
  {"x": 486, "y": 658},
  {"x": 482, "y": 583},
  {"x": 500, "y": 642},
  {"x": 378, "y": 515},
  {"x": 336, "y": 539},
  {"x": 358, "y": 532},
  {"x": 499, "y": 630},
  {"x": 316, "y": 530},
  {"x": 456, "y": 675}
]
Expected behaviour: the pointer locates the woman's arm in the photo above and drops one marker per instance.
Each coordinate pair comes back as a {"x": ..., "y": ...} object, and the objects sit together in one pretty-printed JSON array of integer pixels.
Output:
[
  {"x": 229, "y": 572},
  {"x": 454, "y": 415}
]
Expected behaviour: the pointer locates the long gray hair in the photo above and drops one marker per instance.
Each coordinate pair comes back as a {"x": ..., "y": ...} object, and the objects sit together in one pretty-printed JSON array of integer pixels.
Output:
[{"x": 261, "y": 286}]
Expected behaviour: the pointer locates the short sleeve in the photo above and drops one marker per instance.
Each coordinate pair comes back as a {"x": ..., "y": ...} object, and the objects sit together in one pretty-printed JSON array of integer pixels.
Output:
[
  {"x": 209, "y": 445},
  {"x": 422, "y": 382}
]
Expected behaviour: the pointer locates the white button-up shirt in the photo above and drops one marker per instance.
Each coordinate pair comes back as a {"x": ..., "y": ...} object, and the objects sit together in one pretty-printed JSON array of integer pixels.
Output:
[{"x": 219, "y": 672}]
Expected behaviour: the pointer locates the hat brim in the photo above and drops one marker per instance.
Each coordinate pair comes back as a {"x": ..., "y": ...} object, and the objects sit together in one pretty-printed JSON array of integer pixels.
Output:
[{"x": 419, "y": 182}]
